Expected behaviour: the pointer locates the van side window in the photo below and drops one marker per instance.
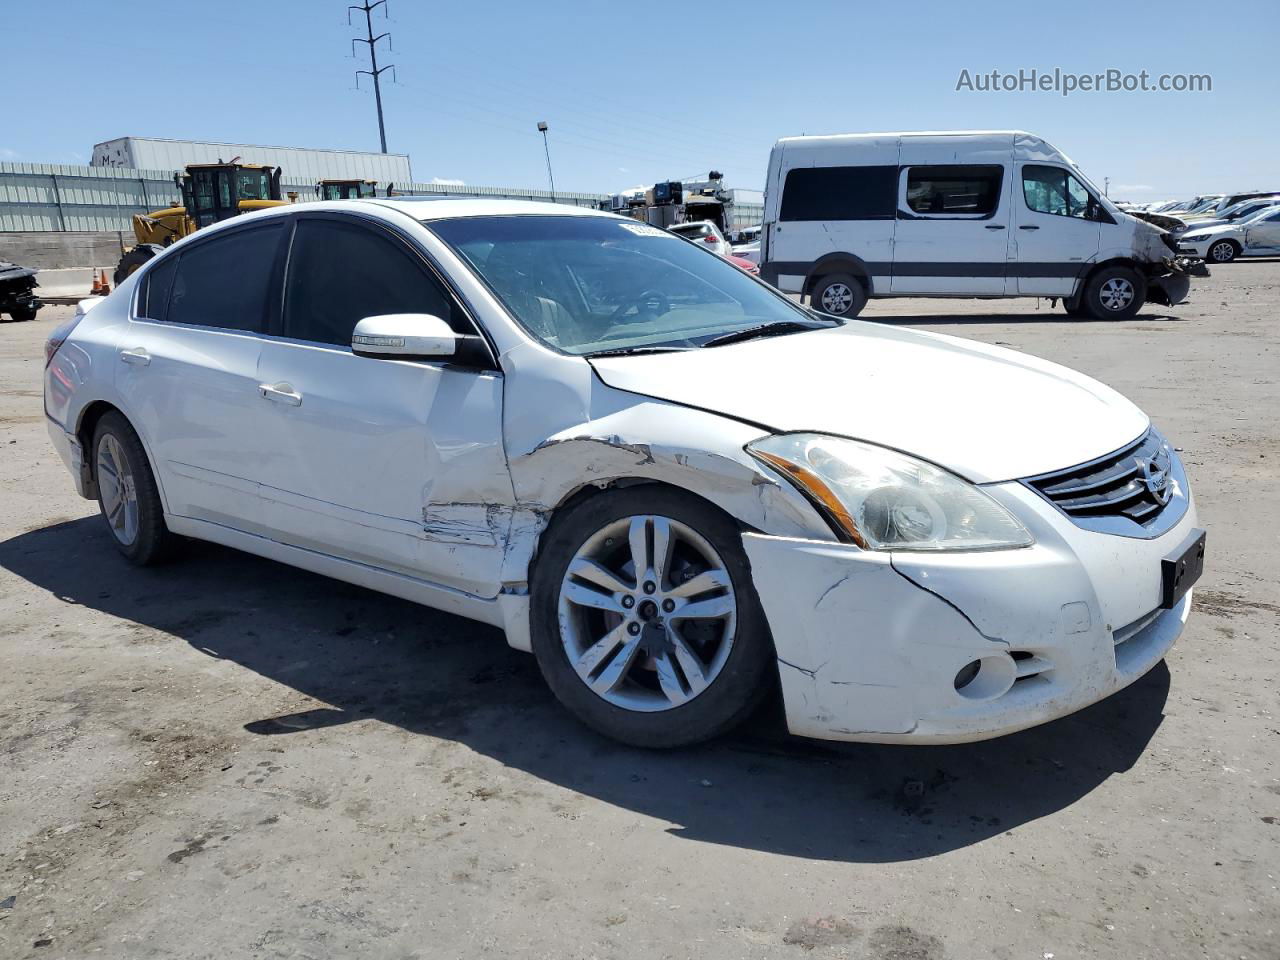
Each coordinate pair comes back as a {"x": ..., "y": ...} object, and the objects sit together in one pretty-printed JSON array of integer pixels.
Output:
[
  {"x": 226, "y": 281},
  {"x": 340, "y": 273},
  {"x": 969, "y": 189},
  {"x": 1054, "y": 191},
  {"x": 839, "y": 193},
  {"x": 153, "y": 298}
]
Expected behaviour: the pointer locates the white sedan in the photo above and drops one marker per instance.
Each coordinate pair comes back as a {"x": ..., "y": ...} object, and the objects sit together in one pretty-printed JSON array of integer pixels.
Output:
[
  {"x": 704, "y": 232},
  {"x": 1259, "y": 236},
  {"x": 674, "y": 486}
]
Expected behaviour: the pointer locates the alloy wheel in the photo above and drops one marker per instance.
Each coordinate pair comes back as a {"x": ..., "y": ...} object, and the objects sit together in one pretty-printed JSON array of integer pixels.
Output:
[
  {"x": 647, "y": 613},
  {"x": 837, "y": 298},
  {"x": 1116, "y": 294},
  {"x": 1222, "y": 252},
  {"x": 117, "y": 489}
]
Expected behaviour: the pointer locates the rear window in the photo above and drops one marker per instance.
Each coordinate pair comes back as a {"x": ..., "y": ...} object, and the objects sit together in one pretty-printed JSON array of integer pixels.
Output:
[
  {"x": 965, "y": 189},
  {"x": 840, "y": 193},
  {"x": 225, "y": 282}
]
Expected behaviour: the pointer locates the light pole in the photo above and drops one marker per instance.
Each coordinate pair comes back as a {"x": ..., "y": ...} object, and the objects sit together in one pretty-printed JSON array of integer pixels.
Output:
[
  {"x": 376, "y": 72},
  {"x": 1106, "y": 186},
  {"x": 542, "y": 126}
]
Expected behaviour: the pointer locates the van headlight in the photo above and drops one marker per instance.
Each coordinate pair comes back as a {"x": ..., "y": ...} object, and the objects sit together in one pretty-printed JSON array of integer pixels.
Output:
[{"x": 880, "y": 499}]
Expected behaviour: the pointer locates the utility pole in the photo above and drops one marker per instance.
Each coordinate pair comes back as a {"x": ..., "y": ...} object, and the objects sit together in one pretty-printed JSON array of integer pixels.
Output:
[
  {"x": 1106, "y": 186},
  {"x": 375, "y": 71},
  {"x": 542, "y": 126}
]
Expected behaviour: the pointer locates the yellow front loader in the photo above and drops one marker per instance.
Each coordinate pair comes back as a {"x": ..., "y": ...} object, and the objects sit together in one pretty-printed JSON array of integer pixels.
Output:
[{"x": 210, "y": 192}]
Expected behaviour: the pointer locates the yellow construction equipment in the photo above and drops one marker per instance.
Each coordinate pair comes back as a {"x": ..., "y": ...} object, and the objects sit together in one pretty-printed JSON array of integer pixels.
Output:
[{"x": 210, "y": 192}]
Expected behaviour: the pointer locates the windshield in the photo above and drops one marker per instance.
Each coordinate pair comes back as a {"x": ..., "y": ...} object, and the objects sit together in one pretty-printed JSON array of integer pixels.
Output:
[{"x": 590, "y": 284}]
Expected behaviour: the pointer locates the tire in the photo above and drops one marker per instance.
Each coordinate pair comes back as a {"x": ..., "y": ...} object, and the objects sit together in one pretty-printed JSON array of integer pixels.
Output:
[
  {"x": 638, "y": 672},
  {"x": 1075, "y": 309},
  {"x": 1114, "y": 293},
  {"x": 132, "y": 510},
  {"x": 838, "y": 295},
  {"x": 130, "y": 262},
  {"x": 1222, "y": 251},
  {"x": 23, "y": 314}
]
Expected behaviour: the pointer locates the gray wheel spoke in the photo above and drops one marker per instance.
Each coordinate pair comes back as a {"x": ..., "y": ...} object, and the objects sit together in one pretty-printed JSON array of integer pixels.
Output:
[
  {"x": 703, "y": 582},
  {"x": 612, "y": 675},
  {"x": 704, "y": 609},
  {"x": 638, "y": 535},
  {"x": 598, "y": 574},
  {"x": 669, "y": 680},
  {"x": 584, "y": 596},
  {"x": 692, "y": 667},
  {"x": 599, "y": 652},
  {"x": 661, "y": 549}
]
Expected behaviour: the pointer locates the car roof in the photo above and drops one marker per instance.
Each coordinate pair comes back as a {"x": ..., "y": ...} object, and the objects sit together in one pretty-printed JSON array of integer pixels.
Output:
[{"x": 447, "y": 208}]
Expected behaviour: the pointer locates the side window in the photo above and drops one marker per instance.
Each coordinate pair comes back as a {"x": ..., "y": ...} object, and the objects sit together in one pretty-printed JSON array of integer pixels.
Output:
[
  {"x": 226, "y": 282},
  {"x": 1054, "y": 191},
  {"x": 340, "y": 273},
  {"x": 157, "y": 284},
  {"x": 968, "y": 189},
  {"x": 839, "y": 193}
]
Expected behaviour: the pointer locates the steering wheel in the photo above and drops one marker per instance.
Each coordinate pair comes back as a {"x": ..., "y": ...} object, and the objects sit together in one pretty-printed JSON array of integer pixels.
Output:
[{"x": 650, "y": 302}]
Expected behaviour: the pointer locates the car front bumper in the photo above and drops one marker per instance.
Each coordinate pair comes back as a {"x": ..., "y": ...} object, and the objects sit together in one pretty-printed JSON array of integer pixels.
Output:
[{"x": 869, "y": 644}]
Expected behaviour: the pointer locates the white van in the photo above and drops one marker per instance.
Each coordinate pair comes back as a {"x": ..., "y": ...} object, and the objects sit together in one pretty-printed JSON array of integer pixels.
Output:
[{"x": 965, "y": 214}]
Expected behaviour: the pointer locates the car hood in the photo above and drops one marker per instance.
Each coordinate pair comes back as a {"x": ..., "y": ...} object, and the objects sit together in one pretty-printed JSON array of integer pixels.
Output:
[
  {"x": 986, "y": 413},
  {"x": 1195, "y": 229}
]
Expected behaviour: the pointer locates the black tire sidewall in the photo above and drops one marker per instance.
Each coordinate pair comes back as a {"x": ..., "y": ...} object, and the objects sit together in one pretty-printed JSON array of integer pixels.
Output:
[
  {"x": 852, "y": 282},
  {"x": 130, "y": 263},
  {"x": 1092, "y": 300},
  {"x": 746, "y": 676},
  {"x": 154, "y": 542}
]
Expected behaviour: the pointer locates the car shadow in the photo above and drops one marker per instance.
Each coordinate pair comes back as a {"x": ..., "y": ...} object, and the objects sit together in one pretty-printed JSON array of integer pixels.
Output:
[{"x": 372, "y": 657}]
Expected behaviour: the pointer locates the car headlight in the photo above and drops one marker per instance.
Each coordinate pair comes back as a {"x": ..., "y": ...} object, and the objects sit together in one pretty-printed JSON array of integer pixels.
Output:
[
  {"x": 1195, "y": 237},
  {"x": 880, "y": 499}
]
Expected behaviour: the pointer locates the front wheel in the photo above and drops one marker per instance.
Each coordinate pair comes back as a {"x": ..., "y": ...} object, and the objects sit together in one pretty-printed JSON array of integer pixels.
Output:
[
  {"x": 645, "y": 621},
  {"x": 1224, "y": 251},
  {"x": 838, "y": 295},
  {"x": 1115, "y": 293},
  {"x": 131, "y": 261}
]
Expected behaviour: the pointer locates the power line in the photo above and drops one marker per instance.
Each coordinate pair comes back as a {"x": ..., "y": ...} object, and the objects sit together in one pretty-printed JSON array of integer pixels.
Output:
[{"x": 375, "y": 71}]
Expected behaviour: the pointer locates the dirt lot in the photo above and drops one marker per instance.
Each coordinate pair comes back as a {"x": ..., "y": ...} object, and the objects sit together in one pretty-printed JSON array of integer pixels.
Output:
[{"x": 229, "y": 758}]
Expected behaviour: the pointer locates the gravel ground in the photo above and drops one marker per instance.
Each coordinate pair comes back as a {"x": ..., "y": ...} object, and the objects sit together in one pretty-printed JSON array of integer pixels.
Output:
[{"x": 231, "y": 758}]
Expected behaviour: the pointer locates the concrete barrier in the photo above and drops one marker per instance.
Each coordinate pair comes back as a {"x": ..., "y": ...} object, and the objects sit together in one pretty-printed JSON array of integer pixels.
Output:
[{"x": 67, "y": 282}]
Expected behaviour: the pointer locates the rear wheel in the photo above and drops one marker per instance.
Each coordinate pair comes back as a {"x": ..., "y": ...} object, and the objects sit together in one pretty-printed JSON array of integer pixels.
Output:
[
  {"x": 127, "y": 493},
  {"x": 23, "y": 314},
  {"x": 838, "y": 295},
  {"x": 1114, "y": 293},
  {"x": 645, "y": 622},
  {"x": 1224, "y": 251}
]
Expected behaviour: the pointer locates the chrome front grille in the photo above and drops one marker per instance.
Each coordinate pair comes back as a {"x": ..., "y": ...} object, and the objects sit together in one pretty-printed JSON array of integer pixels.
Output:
[{"x": 1135, "y": 482}]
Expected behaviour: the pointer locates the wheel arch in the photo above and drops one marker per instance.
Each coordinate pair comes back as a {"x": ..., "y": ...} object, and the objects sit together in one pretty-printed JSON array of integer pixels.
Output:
[
  {"x": 87, "y": 425},
  {"x": 831, "y": 263},
  {"x": 1091, "y": 270}
]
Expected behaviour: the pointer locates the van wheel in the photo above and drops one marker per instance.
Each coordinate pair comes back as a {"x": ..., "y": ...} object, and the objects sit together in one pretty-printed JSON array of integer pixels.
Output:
[
  {"x": 127, "y": 493},
  {"x": 1224, "y": 251},
  {"x": 838, "y": 295},
  {"x": 1116, "y": 293},
  {"x": 645, "y": 621}
]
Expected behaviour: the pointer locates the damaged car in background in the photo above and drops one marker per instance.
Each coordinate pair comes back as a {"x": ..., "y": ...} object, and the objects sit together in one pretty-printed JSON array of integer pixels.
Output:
[
  {"x": 958, "y": 214},
  {"x": 676, "y": 487}
]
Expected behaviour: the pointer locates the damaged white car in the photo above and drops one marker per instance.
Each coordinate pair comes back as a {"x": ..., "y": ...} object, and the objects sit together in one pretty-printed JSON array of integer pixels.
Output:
[{"x": 676, "y": 487}]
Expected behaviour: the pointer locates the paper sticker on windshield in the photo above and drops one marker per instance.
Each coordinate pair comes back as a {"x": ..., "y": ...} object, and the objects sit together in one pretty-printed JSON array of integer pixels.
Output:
[{"x": 644, "y": 230}]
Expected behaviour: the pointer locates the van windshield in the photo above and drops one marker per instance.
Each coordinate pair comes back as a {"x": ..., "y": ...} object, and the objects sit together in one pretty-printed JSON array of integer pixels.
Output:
[{"x": 587, "y": 285}]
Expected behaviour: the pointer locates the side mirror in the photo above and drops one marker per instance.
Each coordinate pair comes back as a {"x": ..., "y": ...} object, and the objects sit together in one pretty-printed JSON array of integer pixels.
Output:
[{"x": 404, "y": 336}]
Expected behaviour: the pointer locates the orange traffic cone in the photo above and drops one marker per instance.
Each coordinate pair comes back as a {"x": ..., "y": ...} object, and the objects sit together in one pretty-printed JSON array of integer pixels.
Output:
[
  {"x": 105, "y": 285},
  {"x": 96, "y": 289}
]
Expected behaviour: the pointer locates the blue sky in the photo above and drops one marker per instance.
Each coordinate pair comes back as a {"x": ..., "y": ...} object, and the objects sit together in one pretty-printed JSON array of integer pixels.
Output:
[{"x": 640, "y": 92}]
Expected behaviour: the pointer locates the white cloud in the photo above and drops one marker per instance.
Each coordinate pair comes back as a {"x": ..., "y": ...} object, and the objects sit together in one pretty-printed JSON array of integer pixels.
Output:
[
  {"x": 447, "y": 183},
  {"x": 7, "y": 154}
]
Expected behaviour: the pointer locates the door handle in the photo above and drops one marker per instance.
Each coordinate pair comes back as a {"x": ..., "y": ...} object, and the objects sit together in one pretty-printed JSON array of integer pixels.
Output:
[
  {"x": 1026, "y": 226},
  {"x": 280, "y": 393},
  {"x": 138, "y": 356},
  {"x": 995, "y": 226}
]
